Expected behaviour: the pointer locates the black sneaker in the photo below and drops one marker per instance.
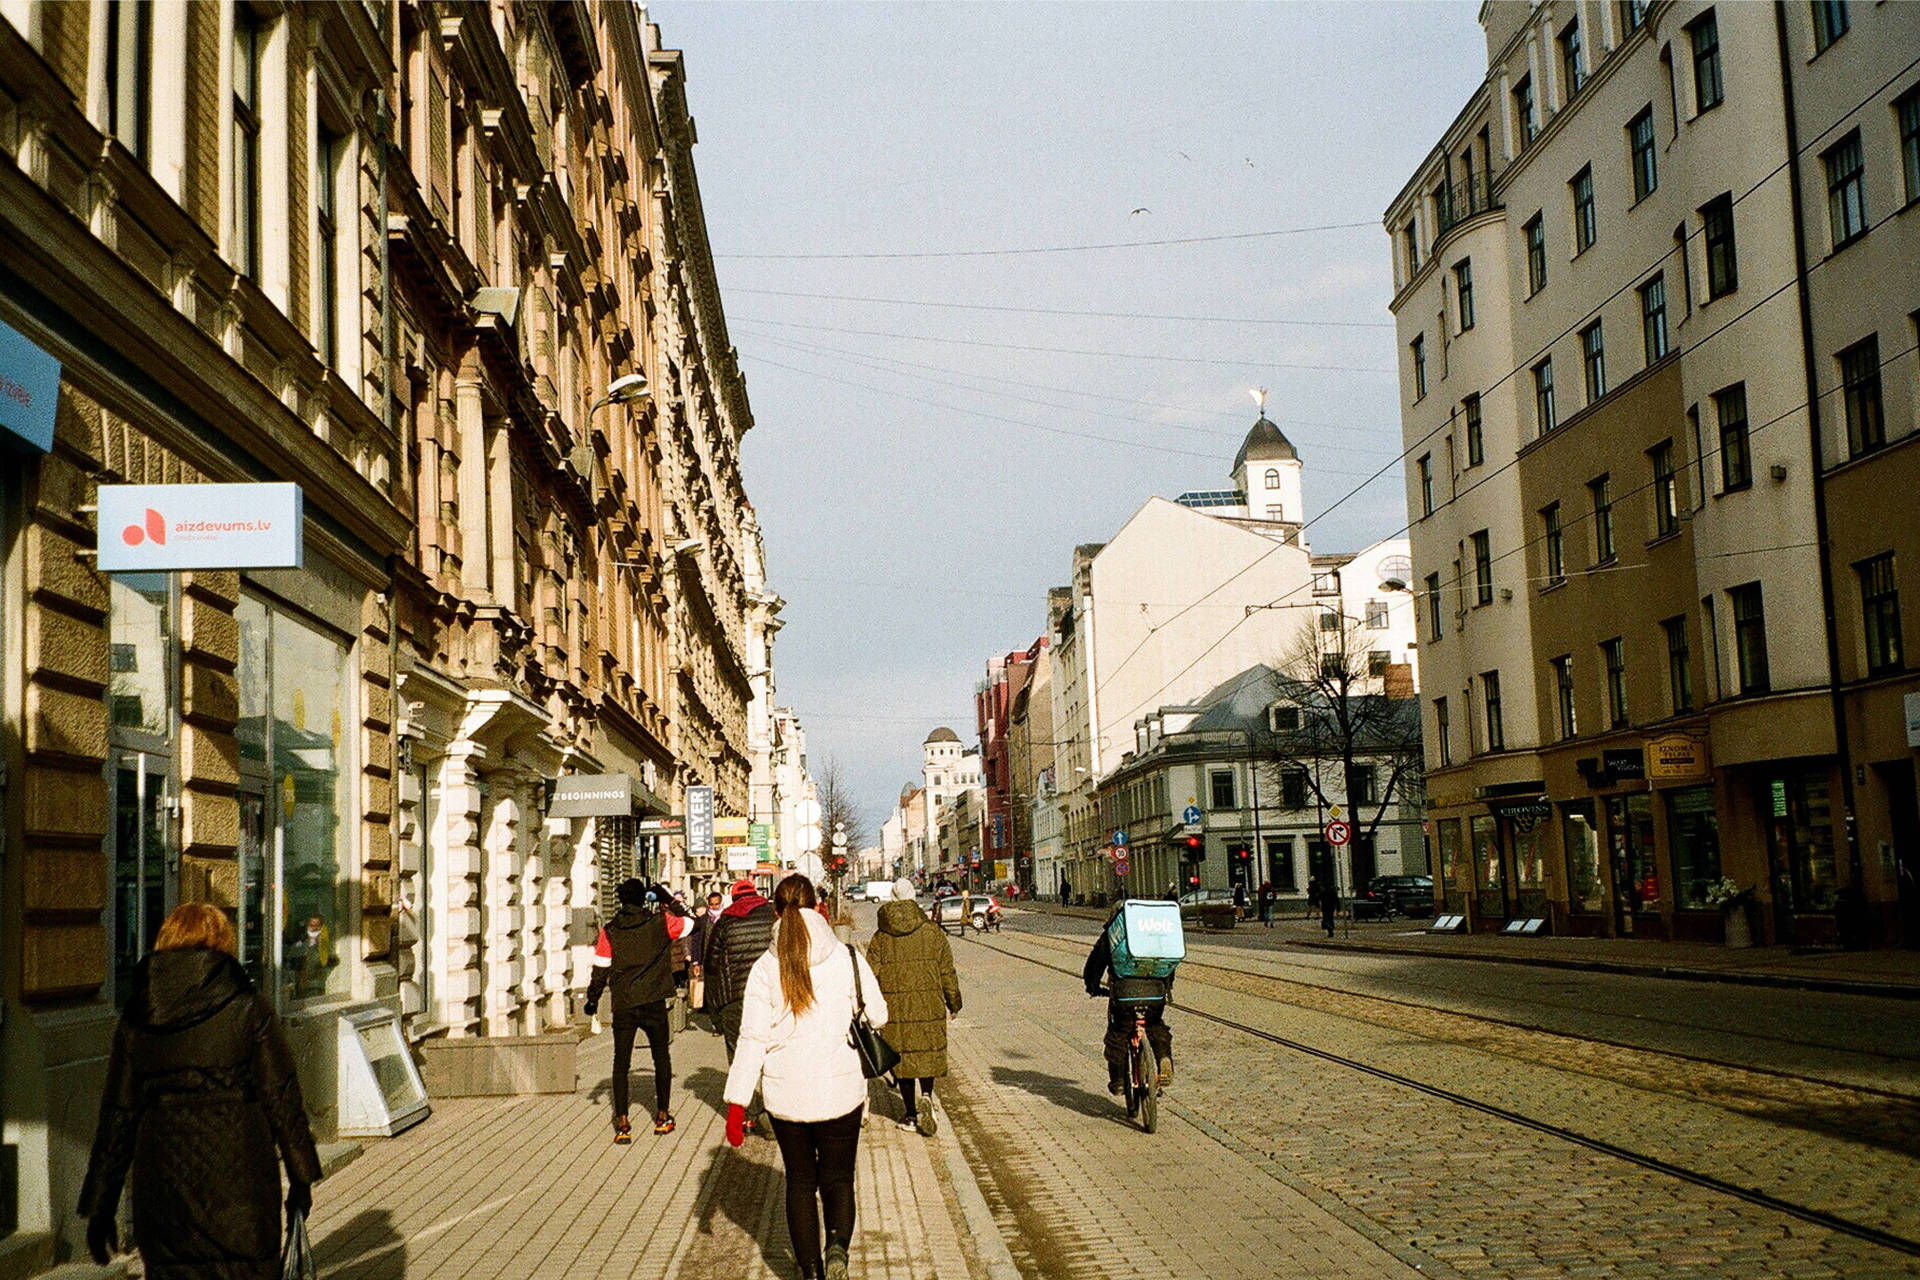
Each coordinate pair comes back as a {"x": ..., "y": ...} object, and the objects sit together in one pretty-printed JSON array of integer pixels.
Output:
[{"x": 1115, "y": 1080}]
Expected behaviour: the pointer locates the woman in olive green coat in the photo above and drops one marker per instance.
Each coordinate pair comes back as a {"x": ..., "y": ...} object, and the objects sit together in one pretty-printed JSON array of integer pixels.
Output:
[{"x": 910, "y": 956}]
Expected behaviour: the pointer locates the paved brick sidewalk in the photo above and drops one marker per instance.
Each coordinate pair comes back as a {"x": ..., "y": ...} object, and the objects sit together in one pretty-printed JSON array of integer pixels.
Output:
[{"x": 534, "y": 1187}]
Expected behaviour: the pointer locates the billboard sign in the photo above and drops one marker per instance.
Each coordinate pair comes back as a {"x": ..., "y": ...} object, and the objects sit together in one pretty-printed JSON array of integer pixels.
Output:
[
  {"x": 699, "y": 822},
  {"x": 149, "y": 527},
  {"x": 29, "y": 389}
]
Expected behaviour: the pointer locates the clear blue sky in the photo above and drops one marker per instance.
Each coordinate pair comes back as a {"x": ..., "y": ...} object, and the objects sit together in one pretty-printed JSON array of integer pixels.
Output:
[{"x": 924, "y": 472}]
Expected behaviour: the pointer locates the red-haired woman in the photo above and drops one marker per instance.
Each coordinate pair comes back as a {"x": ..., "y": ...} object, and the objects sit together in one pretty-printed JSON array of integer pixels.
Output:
[
  {"x": 202, "y": 1104},
  {"x": 794, "y": 1047}
]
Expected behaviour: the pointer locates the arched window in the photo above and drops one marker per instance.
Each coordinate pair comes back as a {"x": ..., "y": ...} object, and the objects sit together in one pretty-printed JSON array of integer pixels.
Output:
[{"x": 1273, "y": 477}]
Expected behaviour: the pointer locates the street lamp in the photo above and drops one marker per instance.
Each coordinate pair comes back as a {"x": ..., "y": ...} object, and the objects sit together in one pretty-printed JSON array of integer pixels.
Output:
[{"x": 622, "y": 390}]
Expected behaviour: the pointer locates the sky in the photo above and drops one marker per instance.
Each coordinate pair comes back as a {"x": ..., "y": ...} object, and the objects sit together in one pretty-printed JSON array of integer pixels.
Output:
[{"x": 927, "y": 222}]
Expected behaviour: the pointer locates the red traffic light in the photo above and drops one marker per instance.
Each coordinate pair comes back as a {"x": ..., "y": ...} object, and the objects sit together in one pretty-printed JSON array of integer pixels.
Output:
[{"x": 1193, "y": 842}]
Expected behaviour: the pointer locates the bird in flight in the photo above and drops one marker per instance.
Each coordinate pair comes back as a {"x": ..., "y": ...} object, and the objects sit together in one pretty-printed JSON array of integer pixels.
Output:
[{"x": 1142, "y": 209}]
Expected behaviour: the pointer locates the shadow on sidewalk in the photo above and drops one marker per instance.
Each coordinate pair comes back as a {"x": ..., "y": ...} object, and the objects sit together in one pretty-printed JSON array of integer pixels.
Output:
[
  {"x": 1062, "y": 1092},
  {"x": 708, "y": 1087},
  {"x": 738, "y": 1188},
  {"x": 368, "y": 1247}
]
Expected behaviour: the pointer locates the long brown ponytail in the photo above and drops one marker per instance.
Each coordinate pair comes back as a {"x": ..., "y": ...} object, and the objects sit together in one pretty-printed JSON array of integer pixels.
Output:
[{"x": 792, "y": 898}]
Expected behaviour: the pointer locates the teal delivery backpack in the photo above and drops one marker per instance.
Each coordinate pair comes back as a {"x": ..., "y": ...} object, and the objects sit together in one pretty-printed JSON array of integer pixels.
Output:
[{"x": 1147, "y": 939}]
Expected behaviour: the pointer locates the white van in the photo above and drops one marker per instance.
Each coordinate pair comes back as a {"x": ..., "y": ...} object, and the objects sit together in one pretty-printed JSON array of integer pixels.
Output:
[{"x": 878, "y": 891}]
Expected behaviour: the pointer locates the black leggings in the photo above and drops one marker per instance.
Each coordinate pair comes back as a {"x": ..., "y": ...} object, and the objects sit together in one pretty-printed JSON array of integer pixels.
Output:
[
  {"x": 652, "y": 1019},
  {"x": 906, "y": 1092},
  {"x": 819, "y": 1156}
]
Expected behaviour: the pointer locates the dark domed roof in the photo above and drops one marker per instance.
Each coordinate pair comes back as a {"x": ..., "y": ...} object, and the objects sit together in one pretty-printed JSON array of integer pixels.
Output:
[
  {"x": 1265, "y": 443},
  {"x": 942, "y": 734}
]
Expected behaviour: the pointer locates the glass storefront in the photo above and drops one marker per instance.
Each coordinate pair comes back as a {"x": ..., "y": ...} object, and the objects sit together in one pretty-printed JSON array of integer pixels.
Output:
[
  {"x": 295, "y": 688},
  {"x": 1490, "y": 893},
  {"x": 1636, "y": 876},
  {"x": 1693, "y": 835},
  {"x": 140, "y": 716},
  {"x": 1528, "y": 839},
  {"x": 1806, "y": 877},
  {"x": 1456, "y": 873},
  {"x": 1586, "y": 889}
]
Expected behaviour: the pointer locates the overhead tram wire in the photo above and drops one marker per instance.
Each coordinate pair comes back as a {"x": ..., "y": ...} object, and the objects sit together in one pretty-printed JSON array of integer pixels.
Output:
[
  {"x": 1068, "y": 351},
  {"x": 1062, "y": 311},
  {"x": 1063, "y": 248}
]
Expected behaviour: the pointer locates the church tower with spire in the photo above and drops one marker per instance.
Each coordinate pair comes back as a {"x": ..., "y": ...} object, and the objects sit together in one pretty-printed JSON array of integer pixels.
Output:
[{"x": 1267, "y": 472}]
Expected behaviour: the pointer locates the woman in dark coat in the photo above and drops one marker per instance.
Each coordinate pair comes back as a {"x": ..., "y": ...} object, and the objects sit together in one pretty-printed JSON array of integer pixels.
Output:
[
  {"x": 202, "y": 1104},
  {"x": 914, "y": 962}
]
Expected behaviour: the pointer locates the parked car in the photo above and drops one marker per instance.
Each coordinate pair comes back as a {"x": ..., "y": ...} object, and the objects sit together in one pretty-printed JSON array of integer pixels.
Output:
[
  {"x": 1192, "y": 902},
  {"x": 878, "y": 891},
  {"x": 1403, "y": 895}
]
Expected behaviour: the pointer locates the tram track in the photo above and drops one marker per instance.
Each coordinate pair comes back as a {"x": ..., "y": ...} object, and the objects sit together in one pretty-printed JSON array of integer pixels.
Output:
[{"x": 1831, "y": 1221}]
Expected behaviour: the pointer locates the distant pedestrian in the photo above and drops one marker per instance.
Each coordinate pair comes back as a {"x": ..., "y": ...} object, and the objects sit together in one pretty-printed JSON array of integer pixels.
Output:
[
  {"x": 1267, "y": 896},
  {"x": 1066, "y": 892},
  {"x": 634, "y": 955},
  {"x": 795, "y": 1047},
  {"x": 1173, "y": 891},
  {"x": 914, "y": 963},
  {"x": 1329, "y": 904},
  {"x": 1240, "y": 901},
  {"x": 202, "y": 1105},
  {"x": 1313, "y": 896}
]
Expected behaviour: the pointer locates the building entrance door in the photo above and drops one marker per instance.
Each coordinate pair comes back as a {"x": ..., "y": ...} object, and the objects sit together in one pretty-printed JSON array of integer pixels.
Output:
[
  {"x": 1636, "y": 881},
  {"x": 145, "y": 865},
  {"x": 1897, "y": 777},
  {"x": 252, "y": 922}
]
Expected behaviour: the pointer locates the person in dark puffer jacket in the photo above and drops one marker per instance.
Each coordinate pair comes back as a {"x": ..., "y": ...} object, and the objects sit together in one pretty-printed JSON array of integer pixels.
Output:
[
  {"x": 739, "y": 937},
  {"x": 634, "y": 956},
  {"x": 201, "y": 1104}
]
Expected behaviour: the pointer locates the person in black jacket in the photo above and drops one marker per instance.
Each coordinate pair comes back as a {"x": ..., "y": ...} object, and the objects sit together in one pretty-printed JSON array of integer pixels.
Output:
[
  {"x": 202, "y": 1105},
  {"x": 741, "y": 935},
  {"x": 1119, "y": 1037},
  {"x": 634, "y": 956}
]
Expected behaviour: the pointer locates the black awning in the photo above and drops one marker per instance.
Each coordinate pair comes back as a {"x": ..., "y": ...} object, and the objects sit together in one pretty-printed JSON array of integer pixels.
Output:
[{"x": 602, "y": 795}]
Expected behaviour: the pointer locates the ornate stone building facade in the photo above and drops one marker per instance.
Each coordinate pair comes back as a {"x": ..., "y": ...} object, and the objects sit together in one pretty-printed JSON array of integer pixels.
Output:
[{"x": 441, "y": 267}]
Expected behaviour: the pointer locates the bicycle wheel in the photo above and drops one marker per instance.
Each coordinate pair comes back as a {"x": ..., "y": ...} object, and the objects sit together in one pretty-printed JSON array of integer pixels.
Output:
[{"x": 1149, "y": 1074}]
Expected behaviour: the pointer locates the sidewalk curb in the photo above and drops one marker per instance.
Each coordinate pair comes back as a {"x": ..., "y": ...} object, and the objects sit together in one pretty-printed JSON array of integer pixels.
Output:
[
  {"x": 1680, "y": 973},
  {"x": 980, "y": 1226}
]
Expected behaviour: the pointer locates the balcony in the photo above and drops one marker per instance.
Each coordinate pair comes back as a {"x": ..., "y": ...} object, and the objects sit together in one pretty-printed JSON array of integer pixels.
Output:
[{"x": 1454, "y": 204}]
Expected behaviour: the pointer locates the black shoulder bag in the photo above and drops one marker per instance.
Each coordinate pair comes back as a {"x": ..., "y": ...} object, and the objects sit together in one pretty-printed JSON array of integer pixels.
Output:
[{"x": 877, "y": 1057}]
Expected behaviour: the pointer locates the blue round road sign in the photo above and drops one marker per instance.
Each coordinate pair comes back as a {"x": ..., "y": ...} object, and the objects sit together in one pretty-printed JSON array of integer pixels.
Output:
[
  {"x": 1120, "y": 838},
  {"x": 1191, "y": 814}
]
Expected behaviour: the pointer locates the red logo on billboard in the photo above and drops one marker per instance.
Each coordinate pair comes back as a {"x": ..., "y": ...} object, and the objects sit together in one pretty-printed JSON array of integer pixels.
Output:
[{"x": 133, "y": 535}]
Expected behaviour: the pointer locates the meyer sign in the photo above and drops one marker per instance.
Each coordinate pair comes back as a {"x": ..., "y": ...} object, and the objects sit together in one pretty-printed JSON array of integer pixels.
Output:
[
  {"x": 199, "y": 526},
  {"x": 699, "y": 822}
]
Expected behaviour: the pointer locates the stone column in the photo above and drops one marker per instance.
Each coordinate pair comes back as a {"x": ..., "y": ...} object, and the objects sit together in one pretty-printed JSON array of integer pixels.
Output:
[{"x": 459, "y": 954}]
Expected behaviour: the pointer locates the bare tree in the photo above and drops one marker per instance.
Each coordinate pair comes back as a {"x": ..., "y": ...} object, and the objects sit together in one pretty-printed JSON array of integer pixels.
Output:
[
  {"x": 1352, "y": 714},
  {"x": 838, "y": 811}
]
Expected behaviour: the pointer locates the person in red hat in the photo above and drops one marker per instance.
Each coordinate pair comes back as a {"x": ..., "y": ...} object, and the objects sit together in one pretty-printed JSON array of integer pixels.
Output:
[{"x": 739, "y": 937}]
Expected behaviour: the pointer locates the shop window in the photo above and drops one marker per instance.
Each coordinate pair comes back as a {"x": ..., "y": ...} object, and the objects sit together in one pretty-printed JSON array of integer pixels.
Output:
[
  {"x": 1799, "y": 809},
  {"x": 1280, "y": 868},
  {"x": 1693, "y": 835},
  {"x": 1585, "y": 888},
  {"x": 1456, "y": 871},
  {"x": 140, "y": 682},
  {"x": 1636, "y": 876},
  {"x": 1489, "y": 878}
]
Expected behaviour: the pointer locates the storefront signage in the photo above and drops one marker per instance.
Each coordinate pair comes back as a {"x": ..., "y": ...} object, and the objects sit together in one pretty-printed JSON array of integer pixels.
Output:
[
  {"x": 1676, "y": 757},
  {"x": 699, "y": 822},
  {"x": 199, "y": 526},
  {"x": 760, "y": 836},
  {"x": 1778, "y": 791},
  {"x": 1913, "y": 719},
  {"x": 1629, "y": 763},
  {"x": 29, "y": 389},
  {"x": 598, "y": 795},
  {"x": 1527, "y": 814},
  {"x": 671, "y": 825},
  {"x": 730, "y": 831}
]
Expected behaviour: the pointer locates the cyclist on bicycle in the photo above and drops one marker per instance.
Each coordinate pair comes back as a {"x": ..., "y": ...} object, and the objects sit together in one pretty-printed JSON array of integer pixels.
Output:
[{"x": 1101, "y": 980}]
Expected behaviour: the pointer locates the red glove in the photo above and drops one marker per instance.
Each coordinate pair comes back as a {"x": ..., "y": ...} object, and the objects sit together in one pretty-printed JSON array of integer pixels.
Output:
[{"x": 736, "y": 1124}]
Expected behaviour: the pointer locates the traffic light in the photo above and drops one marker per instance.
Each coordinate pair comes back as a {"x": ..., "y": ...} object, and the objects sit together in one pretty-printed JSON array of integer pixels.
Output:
[{"x": 1195, "y": 848}]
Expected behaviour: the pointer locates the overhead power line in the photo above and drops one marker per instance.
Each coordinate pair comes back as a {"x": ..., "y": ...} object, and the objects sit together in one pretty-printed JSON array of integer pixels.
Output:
[
  {"x": 1064, "y": 311},
  {"x": 1058, "y": 248}
]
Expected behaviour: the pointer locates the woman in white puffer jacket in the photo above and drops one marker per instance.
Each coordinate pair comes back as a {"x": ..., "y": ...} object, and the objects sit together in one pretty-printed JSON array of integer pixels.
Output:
[{"x": 795, "y": 1048}]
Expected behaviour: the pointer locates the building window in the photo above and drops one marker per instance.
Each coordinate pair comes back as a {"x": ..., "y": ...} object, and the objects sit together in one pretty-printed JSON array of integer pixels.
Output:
[
  {"x": 1220, "y": 789},
  {"x": 1419, "y": 349},
  {"x": 1750, "y": 637},
  {"x": 1543, "y": 396},
  {"x": 1633, "y": 15},
  {"x": 1830, "y": 22},
  {"x": 129, "y": 42},
  {"x": 1666, "y": 490},
  {"x": 1283, "y": 719},
  {"x": 1708, "y": 90},
  {"x": 1646, "y": 175},
  {"x": 1476, "y": 446},
  {"x": 1376, "y": 615},
  {"x": 1846, "y": 191},
  {"x": 1736, "y": 463},
  {"x": 1613, "y": 655},
  {"x": 1273, "y": 477},
  {"x": 1860, "y": 380},
  {"x": 1556, "y": 547},
  {"x": 1710, "y": 637},
  {"x": 1463, "y": 292},
  {"x": 1523, "y": 110},
  {"x": 1410, "y": 237},
  {"x": 1907, "y": 110},
  {"x": 1425, "y": 466},
  {"x": 1490, "y": 697},
  {"x": 1593, "y": 361},
  {"x": 1433, "y": 606},
  {"x": 1679, "y": 667},
  {"x": 1601, "y": 489},
  {"x": 1653, "y": 318},
  {"x": 1482, "y": 568},
  {"x": 1363, "y": 785},
  {"x": 1536, "y": 234},
  {"x": 1378, "y": 660},
  {"x": 1585, "y": 228},
  {"x": 1442, "y": 731},
  {"x": 1293, "y": 789},
  {"x": 326, "y": 162},
  {"x": 1723, "y": 267},
  {"x": 1573, "y": 60},
  {"x": 1565, "y": 719},
  {"x": 246, "y": 141},
  {"x": 1880, "y": 610}
]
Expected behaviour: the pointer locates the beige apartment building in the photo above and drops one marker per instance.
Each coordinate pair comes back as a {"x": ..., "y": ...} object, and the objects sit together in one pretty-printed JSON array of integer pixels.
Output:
[
  {"x": 401, "y": 256},
  {"x": 1656, "y": 297}
]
